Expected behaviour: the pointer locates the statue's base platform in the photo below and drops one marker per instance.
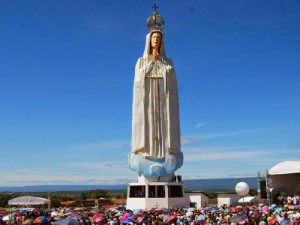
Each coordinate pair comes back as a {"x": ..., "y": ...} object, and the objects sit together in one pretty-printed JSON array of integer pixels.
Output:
[{"x": 155, "y": 195}]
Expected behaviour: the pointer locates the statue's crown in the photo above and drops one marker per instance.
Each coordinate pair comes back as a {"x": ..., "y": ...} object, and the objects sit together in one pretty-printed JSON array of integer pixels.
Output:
[{"x": 155, "y": 21}]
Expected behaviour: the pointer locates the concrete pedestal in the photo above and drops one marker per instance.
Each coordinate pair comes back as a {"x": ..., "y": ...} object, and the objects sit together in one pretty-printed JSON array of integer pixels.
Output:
[{"x": 155, "y": 195}]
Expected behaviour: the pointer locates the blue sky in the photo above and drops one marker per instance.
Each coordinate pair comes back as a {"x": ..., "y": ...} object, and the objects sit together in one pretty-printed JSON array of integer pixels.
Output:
[{"x": 66, "y": 76}]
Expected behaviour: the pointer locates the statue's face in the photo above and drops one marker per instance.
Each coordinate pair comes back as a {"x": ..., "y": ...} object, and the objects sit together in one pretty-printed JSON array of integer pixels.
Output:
[{"x": 155, "y": 40}]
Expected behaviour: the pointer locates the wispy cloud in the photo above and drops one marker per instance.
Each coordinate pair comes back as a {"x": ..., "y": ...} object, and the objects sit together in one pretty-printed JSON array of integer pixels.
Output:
[
  {"x": 59, "y": 177},
  {"x": 198, "y": 125},
  {"x": 230, "y": 133},
  {"x": 113, "y": 165},
  {"x": 106, "y": 145},
  {"x": 234, "y": 155},
  {"x": 189, "y": 141}
]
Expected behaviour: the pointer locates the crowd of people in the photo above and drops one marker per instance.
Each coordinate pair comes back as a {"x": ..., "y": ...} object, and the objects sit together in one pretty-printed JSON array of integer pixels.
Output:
[
  {"x": 225, "y": 215},
  {"x": 289, "y": 200}
]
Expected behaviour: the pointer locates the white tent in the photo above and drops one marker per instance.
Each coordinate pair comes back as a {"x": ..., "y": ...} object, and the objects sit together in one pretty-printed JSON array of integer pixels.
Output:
[
  {"x": 247, "y": 199},
  {"x": 285, "y": 176},
  {"x": 29, "y": 200}
]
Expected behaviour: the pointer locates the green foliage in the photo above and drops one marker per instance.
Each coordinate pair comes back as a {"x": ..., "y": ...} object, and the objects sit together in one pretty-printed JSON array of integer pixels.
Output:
[
  {"x": 253, "y": 192},
  {"x": 57, "y": 197},
  {"x": 4, "y": 198},
  {"x": 55, "y": 202},
  {"x": 212, "y": 195},
  {"x": 97, "y": 194},
  {"x": 213, "y": 198},
  {"x": 283, "y": 194},
  {"x": 82, "y": 196},
  {"x": 77, "y": 202},
  {"x": 117, "y": 194}
]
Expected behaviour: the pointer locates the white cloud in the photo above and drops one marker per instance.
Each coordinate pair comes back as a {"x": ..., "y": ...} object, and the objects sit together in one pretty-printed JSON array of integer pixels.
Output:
[{"x": 106, "y": 162}]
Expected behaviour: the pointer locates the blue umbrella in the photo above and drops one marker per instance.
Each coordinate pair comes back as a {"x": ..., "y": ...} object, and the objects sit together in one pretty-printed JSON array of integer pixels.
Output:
[
  {"x": 137, "y": 211},
  {"x": 201, "y": 217},
  {"x": 285, "y": 222},
  {"x": 278, "y": 210},
  {"x": 66, "y": 222}
]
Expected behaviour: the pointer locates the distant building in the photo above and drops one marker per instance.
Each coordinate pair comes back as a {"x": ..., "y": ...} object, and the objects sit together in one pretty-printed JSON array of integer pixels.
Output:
[
  {"x": 196, "y": 199},
  {"x": 67, "y": 203},
  {"x": 229, "y": 198}
]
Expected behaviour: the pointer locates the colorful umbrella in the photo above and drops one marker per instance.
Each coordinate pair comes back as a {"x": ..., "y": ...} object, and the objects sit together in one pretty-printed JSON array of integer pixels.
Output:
[
  {"x": 40, "y": 219},
  {"x": 124, "y": 217},
  {"x": 128, "y": 220}
]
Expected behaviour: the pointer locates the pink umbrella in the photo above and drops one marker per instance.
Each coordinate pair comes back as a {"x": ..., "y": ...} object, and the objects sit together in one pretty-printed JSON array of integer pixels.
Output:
[
  {"x": 99, "y": 219},
  {"x": 96, "y": 215},
  {"x": 265, "y": 209},
  {"x": 139, "y": 219},
  {"x": 124, "y": 217}
]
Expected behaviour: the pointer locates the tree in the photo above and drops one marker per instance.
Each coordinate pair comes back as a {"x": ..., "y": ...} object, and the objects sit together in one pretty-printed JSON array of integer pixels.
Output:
[
  {"x": 82, "y": 196},
  {"x": 55, "y": 202}
]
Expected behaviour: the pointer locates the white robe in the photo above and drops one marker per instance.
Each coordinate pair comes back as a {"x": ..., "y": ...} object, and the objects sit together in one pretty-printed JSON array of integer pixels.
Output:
[{"x": 155, "y": 119}]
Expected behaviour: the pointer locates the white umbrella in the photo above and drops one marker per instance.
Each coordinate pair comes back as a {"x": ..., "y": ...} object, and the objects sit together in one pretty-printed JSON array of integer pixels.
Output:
[
  {"x": 54, "y": 213},
  {"x": 7, "y": 217}
]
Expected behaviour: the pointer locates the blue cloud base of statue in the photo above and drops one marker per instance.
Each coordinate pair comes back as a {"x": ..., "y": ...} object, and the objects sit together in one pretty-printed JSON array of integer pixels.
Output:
[{"x": 154, "y": 167}]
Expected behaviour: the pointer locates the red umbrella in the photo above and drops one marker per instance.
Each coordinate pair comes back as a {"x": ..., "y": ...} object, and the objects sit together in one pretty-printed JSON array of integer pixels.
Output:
[
  {"x": 272, "y": 221},
  {"x": 171, "y": 218},
  {"x": 233, "y": 209}
]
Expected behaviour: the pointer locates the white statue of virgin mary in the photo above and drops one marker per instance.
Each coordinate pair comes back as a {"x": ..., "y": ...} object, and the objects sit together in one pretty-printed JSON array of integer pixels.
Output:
[{"x": 155, "y": 111}]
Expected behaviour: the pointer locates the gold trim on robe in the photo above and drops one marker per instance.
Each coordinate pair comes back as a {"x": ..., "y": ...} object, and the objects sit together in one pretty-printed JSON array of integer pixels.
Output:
[
  {"x": 138, "y": 150},
  {"x": 174, "y": 151}
]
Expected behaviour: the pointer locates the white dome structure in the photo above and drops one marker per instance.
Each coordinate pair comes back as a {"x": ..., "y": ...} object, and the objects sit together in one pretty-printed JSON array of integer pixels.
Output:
[
  {"x": 285, "y": 176},
  {"x": 286, "y": 167}
]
